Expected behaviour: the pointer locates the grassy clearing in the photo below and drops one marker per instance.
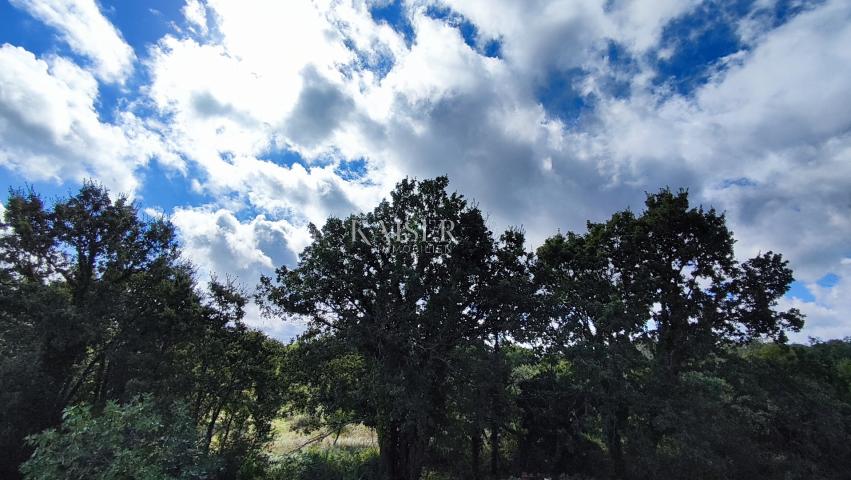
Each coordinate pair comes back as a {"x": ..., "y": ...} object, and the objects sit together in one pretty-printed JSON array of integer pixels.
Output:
[
  {"x": 351, "y": 455},
  {"x": 287, "y": 439}
]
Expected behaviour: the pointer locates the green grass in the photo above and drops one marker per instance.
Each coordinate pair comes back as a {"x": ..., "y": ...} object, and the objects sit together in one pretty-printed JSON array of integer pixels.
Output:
[
  {"x": 287, "y": 440},
  {"x": 327, "y": 463},
  {"x": 351, "y": 455}
]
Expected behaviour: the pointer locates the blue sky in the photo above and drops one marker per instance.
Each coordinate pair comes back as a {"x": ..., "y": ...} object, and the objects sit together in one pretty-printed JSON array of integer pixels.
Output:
[{"x": 244, "y": 123}]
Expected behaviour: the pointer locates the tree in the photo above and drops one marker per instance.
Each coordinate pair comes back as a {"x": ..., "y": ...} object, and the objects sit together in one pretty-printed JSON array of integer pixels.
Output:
[
  {"x": 508, "y": 300},
  {"x": 655, "y": 294},
  {"x": 706, "y": 299},
  {"x": 399, "y": 287},
  {"x": 597, "y": 307},
  {"x": 97, "y": 305},
  {"x": 639, "y": 348},
  {"x": 238, "y": 390},
  {"x": 58, "y": 265}
]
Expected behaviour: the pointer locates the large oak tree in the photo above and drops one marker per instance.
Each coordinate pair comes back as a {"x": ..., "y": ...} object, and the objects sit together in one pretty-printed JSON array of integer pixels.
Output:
[{"x": 401, "y": 288}]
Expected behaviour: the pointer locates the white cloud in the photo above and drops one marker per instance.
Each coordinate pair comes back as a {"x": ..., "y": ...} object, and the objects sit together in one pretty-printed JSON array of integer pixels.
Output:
[
  {"x": 83, "y": 27},
  {"x": 273, "y": 326},
  {"x": 564, "y": 30},
  {"x": 221, "y": 245},
  {"x": 768, "y": 137},
  {"x": 439, "y": 66},
  {"x": 639, "y": 23},
  {"x": 235, "y": 103},
  {"x": 50, "y": 130},
  {"x": 827, "y": 315},
  {"x": 775, "y": 118},
  {"x": 196, "y": 14}
]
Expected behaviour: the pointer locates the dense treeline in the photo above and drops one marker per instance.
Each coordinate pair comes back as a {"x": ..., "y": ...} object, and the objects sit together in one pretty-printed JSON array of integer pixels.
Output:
[
  {"x": 639, "y": 348},
  {"x": 96, "y": 306}
]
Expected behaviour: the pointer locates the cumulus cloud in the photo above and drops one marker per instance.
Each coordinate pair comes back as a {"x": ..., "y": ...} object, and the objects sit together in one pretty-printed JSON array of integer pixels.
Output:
[
  {"x": 320, "y": 109},
  {"x": 443, "y": 107},
  {"x": 83, "y": 27},
  {"x": 572, "y": 120},
  {"x": 221, "y": 245},
  {"x": 50, "y": 129},
  {"x": 265, "y": 125},
  {"x": 767, "y": 139},
  {"x": 196, "y": 14},
  {"x": 827, "y": 314}
]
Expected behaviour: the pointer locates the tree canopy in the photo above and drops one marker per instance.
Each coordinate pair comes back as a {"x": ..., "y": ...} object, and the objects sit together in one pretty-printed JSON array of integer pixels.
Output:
[
  {"x": 641, "y": 347},
  {"x": 97, "y": 306}
]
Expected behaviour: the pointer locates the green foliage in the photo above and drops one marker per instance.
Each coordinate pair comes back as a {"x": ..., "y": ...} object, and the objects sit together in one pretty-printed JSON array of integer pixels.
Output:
[
  {"x": 328, "y": 464},
  {"x": 641, "y": 380},
  {"x": 398, "y": 313},
  {"x": 59, "y": 264},
  {"x": 639, "y": 348},
  {"x": 96, "y": 305},
  {"x": 132, "y": 441}
]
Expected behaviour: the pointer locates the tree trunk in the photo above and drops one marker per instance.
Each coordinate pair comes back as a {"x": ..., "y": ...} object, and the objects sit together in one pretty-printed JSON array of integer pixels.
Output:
[
  {"x": 211, "y": 427},
  {"x": 196, "y": 410},
  {"x": 616, "y": 451},
  {"x": 388, "y": 454},
  {"x": 69, "y": 390},
  {"x": 401, "y": 452},
  {"x": 496, "y": 413},
  {"x": 100, "y": 385},
  {"x": 495, "y": 450},
  {"x": 476, "y": 455},
  {"x": 227, "y": 432},
  {"x": 614, "y": 441}
]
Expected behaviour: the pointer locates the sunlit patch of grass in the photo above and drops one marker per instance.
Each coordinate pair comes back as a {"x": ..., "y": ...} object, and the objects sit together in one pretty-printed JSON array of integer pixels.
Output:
[{"x": 286, "y": 439}]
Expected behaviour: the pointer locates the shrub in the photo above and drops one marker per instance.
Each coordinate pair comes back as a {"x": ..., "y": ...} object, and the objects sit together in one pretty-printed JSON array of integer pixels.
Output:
[
  {"x": 131, "y": 441},
  {"x": 328, "y": 464}
]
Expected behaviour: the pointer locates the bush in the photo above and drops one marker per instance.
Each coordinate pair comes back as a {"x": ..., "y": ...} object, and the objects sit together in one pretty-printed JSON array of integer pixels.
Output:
[
  {"x": 328, "y": 464},
  {"x": 131, "y": 441}
]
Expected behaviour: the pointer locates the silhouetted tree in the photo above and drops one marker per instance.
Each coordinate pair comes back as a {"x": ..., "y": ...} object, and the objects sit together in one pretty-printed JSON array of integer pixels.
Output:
[
  {"x": 96, "y": 305},
  {"x": 401, "y": 307},
  {"x": 654, "y": 294}
]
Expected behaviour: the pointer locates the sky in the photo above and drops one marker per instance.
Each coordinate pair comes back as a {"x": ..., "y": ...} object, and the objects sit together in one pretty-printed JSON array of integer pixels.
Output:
[{"x": 244, "y": 121}]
